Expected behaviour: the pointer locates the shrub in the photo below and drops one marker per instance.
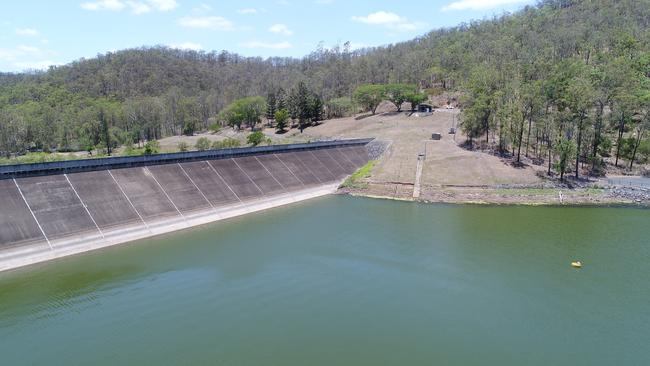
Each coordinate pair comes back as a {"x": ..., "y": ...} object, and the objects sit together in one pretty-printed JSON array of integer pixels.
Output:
[
  {"x": 151, "y": 147},
  {"x": 281, "y": 118},
  {"x": 255, "y": 138},
  {"x": 340, "y": 108},
  {"x": 215, "y": 127},
  {"x": 202, "y": 144},
  {"x": 227, "y": 143},
  {"x": 182, "y": 146}
]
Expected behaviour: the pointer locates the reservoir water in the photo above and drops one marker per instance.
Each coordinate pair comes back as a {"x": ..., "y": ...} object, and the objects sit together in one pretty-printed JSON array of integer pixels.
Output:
[{"x": 348, "y": 281}]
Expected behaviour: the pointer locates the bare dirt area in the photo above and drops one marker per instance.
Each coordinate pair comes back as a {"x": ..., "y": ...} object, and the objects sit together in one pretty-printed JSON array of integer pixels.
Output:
[
  {"x": 449, "y": 173},
  {"x": 170, "y": 144}
]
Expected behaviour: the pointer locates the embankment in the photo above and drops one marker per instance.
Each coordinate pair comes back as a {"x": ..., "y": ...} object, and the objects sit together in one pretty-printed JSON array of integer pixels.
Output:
[{"x": 57, "y": 209}]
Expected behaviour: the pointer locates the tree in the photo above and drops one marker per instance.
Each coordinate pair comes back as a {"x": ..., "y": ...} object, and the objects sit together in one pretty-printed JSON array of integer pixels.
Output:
[
  {"x": 622, "y": 113},
  {"x": 339, "y": 108},
  {"x": 369, "y": 96},
  {"x": 304, "y": 106},
  {"x": 580, "y": 99},
  {"x": 202, "y": 144},
  {"x": 271, "y": 104},
  {"x": 106, "y": 136},
  {"x": 255, "y": 138},
  {"x": 415, "y": 99},
  {"x": 247, "y": 111},
  {"x": 281, "y": 117},
  {"x": 565, "y": 150},
  {"x": 397, "y": 93},
  {"x": 316, "y": 108},
  {"x": 642, "y": 126}
]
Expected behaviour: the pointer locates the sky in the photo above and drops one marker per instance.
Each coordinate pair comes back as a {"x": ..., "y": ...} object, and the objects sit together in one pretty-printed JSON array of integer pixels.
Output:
[{"x": 35, "y": 34}]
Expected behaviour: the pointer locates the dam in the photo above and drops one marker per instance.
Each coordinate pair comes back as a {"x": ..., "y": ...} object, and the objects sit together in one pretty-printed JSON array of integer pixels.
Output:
[{"x": 51, "y": 210}]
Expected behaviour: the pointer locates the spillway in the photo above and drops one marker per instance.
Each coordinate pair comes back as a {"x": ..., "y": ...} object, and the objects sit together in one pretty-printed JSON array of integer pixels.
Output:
[{"x": 52, "y": 210}]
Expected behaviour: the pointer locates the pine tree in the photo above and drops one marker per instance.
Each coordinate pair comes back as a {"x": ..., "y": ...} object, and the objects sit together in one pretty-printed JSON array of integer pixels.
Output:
[
  {"x": 271, "y": 104},
  {"x": 303, "y": 106},
  {"x": 316, "y": 108}
]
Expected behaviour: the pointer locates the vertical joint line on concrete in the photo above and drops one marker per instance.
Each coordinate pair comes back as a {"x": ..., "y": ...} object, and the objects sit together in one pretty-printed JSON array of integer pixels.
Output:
[
  {"x": 84, "y": 206},
  {"x": 195, "y": 186},
  {"x": 223, "y": 180},
  {"x": 308, "y": 168},
  {"x": 129, "y": 200},
  {"x": 33, "y": 215},
  {"x": 326, "y": 168},
  {"x": 285, "y": 165},
  {"x": 248, "y": 176},
  {"x": 333, "y": 158},
  {"x": 165, "y": 193},
  {"x": 271, "y": 174},
  {"x": 348, "y": 158}
]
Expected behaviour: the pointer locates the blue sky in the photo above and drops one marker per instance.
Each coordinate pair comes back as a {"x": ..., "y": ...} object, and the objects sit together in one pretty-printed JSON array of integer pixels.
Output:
[{"x": 38, "y": 33}]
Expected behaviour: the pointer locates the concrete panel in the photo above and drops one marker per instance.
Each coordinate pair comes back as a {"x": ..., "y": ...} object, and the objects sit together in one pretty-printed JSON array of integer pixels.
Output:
[
  {"x": 236, "y": 179},
  {"x": 330, "y": 163},
  {"x": 179, "y": 187},
  {"x": 17, "y": 225},
  {"x": 360, "y": 153},
  {"x": 145, "y": 194},
  {"x": 258, "y": 173},
  {"x": 56, "y": 206},
  {"x": 315, "y": 166},
  {"x": 343, "y": 160},
  {"x": 280, "y": 172},
  {"x": 292, "y": 161},
  {"x": 211, "y": 184},
  {"x": 103, "y": 198},
  {"x": 352, "y": 156}
]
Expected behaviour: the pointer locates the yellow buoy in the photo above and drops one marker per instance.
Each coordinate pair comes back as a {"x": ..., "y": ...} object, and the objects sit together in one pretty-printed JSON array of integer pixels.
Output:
[{"x": 576, "y": 264}]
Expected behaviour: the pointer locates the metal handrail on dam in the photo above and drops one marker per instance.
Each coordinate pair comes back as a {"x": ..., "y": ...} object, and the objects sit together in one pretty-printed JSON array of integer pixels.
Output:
[{"x": 84, "y": 165}]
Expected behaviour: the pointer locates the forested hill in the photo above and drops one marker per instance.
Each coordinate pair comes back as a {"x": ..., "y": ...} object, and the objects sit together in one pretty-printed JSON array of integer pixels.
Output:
[{"x": 152, "y": 92}]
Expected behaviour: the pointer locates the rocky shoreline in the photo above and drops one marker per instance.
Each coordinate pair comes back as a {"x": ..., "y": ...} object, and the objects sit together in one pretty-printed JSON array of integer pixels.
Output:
[{"x": 513, "y": 195}]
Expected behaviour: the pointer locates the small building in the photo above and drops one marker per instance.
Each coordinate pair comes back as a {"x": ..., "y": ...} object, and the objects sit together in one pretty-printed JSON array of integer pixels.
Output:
[
  {"x": 436, "y": 136},
  {"x": 425, "y": 108}
]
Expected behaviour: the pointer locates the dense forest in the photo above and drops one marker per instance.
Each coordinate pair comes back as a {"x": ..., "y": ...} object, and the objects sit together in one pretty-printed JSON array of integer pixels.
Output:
[{"x": 562, "y": 81}]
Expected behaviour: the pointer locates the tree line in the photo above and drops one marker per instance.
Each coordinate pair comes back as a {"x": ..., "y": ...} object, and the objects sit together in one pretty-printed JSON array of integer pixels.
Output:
[{"x": 557, "y": 77}]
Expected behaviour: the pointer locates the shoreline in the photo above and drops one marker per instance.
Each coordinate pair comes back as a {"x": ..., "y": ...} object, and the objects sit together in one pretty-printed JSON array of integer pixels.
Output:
[
  {"x": 520, "y": 196},
  {"x": 39, "y": 252}
]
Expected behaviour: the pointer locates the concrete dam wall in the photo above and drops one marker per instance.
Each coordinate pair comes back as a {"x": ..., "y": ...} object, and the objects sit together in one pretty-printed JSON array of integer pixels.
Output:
[{"x": 57, "y": 209}]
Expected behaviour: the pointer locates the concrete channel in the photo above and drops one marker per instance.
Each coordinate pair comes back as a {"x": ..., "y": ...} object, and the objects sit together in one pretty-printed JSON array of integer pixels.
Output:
[{"x": 54, "y": 211}]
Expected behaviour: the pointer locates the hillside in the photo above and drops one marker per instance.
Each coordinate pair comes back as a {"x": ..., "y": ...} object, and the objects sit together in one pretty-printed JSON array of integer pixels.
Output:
[{"x": 149, "y": 93}]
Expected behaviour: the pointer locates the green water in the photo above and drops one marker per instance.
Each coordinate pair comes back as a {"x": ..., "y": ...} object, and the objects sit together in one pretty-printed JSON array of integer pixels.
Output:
[{"x": 348, "y": 281}]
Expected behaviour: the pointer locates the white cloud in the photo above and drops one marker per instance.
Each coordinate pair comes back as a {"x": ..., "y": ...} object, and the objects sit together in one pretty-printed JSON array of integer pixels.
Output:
[
  {"x": 187, "y": 46},
  {"x": 248, "y": 11},
  {"x": 389, "y": 20},
  {"x": 163, "y": 5},
  {"x": 380, "y": 17},
  {"x": 478, "y": 4},
  {"x": 114, "y": 5},
  {"x": 275, "y": 46},
  {"x": 207, "y": 22},
  {"x": 26, "y": 32},
  {"x": 280, "y": 29},
  {"x": 136, "y": 6}
]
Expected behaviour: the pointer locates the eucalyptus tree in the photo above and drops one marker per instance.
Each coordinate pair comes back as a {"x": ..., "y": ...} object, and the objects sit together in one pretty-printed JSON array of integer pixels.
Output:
[{"x": 370, "y": 96}]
